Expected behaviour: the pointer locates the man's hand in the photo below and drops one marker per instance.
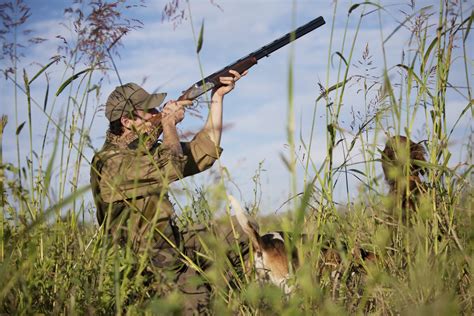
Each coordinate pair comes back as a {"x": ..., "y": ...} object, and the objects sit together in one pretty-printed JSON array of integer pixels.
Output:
[
  {"x": 172, "y": 114},
  {"x": 173, "y": 111},
  {"x": 228, "y": 83}
]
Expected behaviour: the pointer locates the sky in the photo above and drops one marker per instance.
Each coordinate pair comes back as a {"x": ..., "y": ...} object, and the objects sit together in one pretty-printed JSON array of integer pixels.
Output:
[{"x": 162, "y": 57}]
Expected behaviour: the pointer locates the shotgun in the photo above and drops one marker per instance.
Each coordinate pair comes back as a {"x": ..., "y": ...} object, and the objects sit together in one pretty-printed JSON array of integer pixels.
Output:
[{"x": 212, "y": 81}]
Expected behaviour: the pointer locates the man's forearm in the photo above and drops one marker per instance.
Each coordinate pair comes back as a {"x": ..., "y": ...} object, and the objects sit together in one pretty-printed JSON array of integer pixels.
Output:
[
  {"x": 170, "y": 137},
  {"x": 213, "y": 126}
]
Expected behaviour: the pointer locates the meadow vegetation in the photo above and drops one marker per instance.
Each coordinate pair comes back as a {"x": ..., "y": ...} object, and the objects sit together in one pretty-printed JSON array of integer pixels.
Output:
[{"x": 54, "y": 259}]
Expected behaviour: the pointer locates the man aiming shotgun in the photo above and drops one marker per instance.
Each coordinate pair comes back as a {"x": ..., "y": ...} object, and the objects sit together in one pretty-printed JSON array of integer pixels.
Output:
[{"x": 131, "y": 174}]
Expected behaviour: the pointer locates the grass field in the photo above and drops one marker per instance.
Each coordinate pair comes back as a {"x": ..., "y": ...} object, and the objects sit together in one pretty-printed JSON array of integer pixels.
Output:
[{"x": 55, "y": 260}]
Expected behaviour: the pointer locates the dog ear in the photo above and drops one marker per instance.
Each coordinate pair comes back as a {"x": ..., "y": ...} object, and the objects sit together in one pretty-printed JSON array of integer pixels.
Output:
[{"x": 249, "y": 227}]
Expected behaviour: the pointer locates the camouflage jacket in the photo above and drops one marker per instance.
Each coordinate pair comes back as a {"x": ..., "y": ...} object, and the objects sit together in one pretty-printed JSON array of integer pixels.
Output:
[{"x": 131, "y": 181}]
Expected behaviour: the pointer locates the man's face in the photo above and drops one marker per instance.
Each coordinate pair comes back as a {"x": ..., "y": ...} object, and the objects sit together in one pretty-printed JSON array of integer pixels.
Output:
[
  {"x": 141, "y": 120},
  {"x": 144, "y": 116}
]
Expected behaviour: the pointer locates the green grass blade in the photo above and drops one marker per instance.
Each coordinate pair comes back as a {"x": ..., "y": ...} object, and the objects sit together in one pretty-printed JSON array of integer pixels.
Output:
[
  {"x": 46, "y": 96},
  {"x": 332, "y": 88},
  {"x": 466, "y": 108},
  {"x": 340, "y": 56},
  {"x": 49, "y": 168},
  {"x": 468, "y": 27},
  {"x": 43, "y": 70},
  {"x": 20, "y": 127},
  {"x": 356, "y": 5},
  {"x": 200, "y": 38},
  {"x": 71, "y": 79}
]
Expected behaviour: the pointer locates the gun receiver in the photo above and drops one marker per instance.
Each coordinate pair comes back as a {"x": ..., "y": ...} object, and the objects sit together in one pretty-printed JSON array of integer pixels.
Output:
[{"x": 212, "y": 81}]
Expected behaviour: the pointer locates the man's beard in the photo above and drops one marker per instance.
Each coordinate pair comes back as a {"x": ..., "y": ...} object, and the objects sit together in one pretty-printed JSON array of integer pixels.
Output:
[{"x": 144, "y": 137}]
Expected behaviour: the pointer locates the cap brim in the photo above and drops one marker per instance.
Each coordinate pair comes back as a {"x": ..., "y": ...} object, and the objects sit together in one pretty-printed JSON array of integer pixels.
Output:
[{"x": 153, "y": 101}]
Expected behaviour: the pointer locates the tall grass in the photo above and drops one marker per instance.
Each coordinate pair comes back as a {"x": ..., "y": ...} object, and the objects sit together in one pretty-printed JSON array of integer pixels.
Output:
[{"x": 54, "y": 259}]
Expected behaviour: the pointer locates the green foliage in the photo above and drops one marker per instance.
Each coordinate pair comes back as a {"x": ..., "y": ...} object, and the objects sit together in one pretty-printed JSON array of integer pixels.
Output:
[{"x": 55, "y": 260}]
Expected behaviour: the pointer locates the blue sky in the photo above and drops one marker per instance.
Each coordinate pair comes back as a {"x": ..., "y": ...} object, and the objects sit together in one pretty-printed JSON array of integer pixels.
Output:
[{"x": 163, "y": 58}]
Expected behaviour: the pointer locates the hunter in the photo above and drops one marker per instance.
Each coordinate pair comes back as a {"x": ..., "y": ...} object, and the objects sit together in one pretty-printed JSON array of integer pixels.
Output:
[{"x": 131, "y": 174}]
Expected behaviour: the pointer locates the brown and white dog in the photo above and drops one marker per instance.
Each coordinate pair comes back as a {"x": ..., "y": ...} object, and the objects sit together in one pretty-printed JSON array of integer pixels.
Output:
[
  {"x": 271, "y": 261},
  {"x": 270, "y": 255}
]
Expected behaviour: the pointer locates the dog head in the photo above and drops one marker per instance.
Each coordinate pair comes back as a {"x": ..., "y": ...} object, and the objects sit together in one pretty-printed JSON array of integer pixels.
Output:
[
  {"x": 398, "y": 151},
  {"x": 400, "y": 163},
  {"x": 270, "y": 260}
]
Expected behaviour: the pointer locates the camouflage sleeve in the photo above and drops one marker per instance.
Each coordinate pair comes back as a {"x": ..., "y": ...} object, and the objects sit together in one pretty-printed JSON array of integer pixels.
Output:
[
  {"x": 201, "y": 153},
  {"x": 129, "y": 176}
]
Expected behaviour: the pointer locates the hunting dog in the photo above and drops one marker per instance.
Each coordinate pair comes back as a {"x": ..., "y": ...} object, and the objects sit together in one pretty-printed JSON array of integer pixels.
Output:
[
  {"x": 401, "y": 160},
  {"x": 270, "y": 258},
  {"x": 271, "y": 261}
]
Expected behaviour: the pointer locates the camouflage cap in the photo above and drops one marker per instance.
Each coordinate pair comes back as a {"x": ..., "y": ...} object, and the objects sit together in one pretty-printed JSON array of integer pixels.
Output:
[{"x": 128, "y": 98}]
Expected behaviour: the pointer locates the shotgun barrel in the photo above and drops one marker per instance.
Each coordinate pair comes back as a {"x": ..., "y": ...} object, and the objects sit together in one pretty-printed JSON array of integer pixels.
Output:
[{"x": 212, "y": 81}]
